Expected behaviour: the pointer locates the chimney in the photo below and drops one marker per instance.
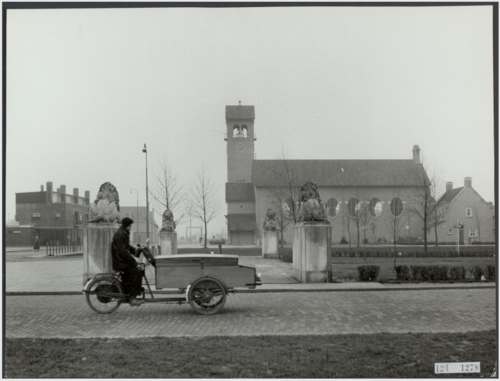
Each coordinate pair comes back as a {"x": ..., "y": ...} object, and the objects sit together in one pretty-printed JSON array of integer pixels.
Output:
[
  {"x": 449, "y": 186},
  {"x": 41, "y": 188},
  {"x": 49, "y": 191},
  {"x": 416, "y": 154},
  {"x": 468, "y": 182},
  {"x": 87, "y": 197},
  {"x": 62, "y": 191},
  {"x": 75, "y": 195}
]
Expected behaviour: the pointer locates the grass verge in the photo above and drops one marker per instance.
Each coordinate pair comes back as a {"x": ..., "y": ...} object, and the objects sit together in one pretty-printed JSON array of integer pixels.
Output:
[{"x": 329, "y": 356}]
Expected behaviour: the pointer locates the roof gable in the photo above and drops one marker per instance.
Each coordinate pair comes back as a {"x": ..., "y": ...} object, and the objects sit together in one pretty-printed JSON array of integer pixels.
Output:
[
  {"x": 448, "y": 196},
  {"x": 339, "y": 172}
]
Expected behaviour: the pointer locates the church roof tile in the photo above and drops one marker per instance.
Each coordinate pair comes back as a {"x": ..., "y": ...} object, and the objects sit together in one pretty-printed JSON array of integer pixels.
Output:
[{"x": 339, "y": 172}]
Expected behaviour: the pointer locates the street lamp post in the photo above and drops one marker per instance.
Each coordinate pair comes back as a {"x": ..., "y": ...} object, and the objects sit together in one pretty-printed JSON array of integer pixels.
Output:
[
  {"x": 145, "y": 150},
  {"x": 138, "y": 238}
]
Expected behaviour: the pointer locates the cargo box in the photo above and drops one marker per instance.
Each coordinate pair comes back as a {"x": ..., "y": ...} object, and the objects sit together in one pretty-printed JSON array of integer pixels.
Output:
[{"x": 178, "y": 271}]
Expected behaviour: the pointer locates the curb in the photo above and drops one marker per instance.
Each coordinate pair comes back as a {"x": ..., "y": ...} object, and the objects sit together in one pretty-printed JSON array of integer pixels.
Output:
[{"x": 264, "y": 291}]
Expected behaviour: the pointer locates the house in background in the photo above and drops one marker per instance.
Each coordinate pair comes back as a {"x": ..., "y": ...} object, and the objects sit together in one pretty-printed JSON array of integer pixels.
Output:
[
  {"x": 465, "y": 207},
  {"x": 52, "y": 215},
  {"x": 138, "y": 232}
]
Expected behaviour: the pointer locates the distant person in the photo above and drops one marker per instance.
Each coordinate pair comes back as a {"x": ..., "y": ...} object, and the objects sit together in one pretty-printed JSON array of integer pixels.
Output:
[
  {"x": 200, "y": 240},
  {"x": 36, "y": 244},
  {"x": 123, "y": 259}
]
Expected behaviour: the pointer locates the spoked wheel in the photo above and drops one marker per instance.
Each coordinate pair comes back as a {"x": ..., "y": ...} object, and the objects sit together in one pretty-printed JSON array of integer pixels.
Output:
[
  {"x": 207, "y": 295},
  {"x": 104, "y": 295}
]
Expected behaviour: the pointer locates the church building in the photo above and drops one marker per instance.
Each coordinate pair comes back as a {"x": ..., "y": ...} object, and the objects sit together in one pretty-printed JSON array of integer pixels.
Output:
[{"x": 367, "y": 201}]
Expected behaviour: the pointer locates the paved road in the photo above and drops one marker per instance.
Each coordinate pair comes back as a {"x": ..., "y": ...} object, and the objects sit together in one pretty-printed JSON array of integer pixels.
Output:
[{"x": 260, "y": 314}]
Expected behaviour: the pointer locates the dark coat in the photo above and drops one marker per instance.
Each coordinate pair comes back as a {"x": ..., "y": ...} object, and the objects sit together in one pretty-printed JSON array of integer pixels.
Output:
[{"x": 121, "y": 251}]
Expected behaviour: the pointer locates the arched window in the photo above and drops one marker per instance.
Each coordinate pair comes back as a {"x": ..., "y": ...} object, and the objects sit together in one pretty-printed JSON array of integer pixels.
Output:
[
  {"x": 332, "y": 207},
  {"x": 396, "y": 206},
  {"x": 236, "y": 130},
  {"x": 244, "y": 131},
  {"x": 353, "y": 207},
  {"x": 375, "y": 207}
]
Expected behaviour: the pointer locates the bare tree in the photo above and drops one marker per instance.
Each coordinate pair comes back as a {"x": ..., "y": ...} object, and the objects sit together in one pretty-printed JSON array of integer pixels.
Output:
[
  {"x": 168, "y": 192},
  {"x": 364, "y": 217},
  {"x": 426, "y": 209},
  {"x": 395, "y": 228},
  {"x": 436, "y": 218},
  {"x": 354, "y": 209},
  {"x": 202, "y": 201},
  {"x": 286, "y": 194},
  {"x": 280, "y": 197}
]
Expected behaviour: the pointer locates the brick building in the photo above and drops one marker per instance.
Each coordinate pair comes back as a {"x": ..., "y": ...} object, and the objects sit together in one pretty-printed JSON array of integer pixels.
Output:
[
  {"x": 371, "y": 201},
  {"x": 52, "y": 215}
]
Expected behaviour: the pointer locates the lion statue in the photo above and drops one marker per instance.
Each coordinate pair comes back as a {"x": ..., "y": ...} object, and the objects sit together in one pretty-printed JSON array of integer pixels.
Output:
[
  {"x": 271, "y": 221},
  {"x": 167, "y": 222},
  {"x": 106, "y": 206},
  {"x": 311, "y": 208}
]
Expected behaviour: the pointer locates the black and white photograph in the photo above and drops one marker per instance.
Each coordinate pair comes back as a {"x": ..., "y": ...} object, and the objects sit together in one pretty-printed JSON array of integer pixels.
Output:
[{"x": 237, "y": 190}]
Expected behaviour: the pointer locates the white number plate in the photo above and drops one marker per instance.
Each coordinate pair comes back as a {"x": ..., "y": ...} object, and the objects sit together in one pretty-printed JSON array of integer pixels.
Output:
[{"x": 457, "y": 367}]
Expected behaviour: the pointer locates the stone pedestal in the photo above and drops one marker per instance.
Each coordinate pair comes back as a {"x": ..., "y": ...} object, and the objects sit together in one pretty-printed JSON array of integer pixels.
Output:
[
  {"x": 311, "y": 248},
  {"x": 168, "y": 243},
  {"x": 270, "y": 244},
  {"x": 97, "y": 238}
]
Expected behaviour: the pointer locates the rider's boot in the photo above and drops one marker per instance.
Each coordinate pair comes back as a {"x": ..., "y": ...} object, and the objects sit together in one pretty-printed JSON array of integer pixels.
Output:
[{"x": 135, "y": 302}]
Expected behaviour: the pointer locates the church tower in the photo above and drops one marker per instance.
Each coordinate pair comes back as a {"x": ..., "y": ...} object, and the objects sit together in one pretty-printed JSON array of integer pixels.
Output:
[{"x": 240, "y": 195}]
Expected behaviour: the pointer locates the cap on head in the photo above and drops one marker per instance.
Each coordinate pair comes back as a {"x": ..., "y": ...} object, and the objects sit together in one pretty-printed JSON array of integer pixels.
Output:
[{"x": 127, "y": 222}]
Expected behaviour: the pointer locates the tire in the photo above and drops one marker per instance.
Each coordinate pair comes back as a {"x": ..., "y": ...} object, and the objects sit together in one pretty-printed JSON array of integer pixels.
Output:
[
  {"x": 104, "y": 295},
  {"x": 207, "y": 295}
]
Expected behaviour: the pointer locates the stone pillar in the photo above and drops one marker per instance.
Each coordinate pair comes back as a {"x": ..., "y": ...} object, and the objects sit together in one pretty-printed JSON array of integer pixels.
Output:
[
  {"x": 97, "y": 238},
  {"x": 270, "y": 244},
  {"x": 311, "y": 252},
  {"x": 168, "y": 242}
]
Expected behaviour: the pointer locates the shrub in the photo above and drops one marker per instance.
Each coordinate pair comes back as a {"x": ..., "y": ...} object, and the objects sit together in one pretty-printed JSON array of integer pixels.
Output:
[
  {"x": 343, "y": 241},
  {"x": 429, "y": 273},
  {"x": 365, "y": 241},
  {"x": 491, "y": 273},
  {"x": 439, "y": 273},
  {"x": 457, "y": 273},
  {"x": 477, "y": 271},
  {"x": 402, "y": 272},
  {"x": 368, "y": 273}
]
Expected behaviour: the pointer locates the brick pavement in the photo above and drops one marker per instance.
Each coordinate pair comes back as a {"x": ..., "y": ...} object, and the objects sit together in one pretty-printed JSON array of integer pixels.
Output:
[{"x": 260, "y": 314}]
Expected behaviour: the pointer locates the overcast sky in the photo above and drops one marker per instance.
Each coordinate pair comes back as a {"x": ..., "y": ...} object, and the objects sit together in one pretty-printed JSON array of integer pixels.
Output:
[{"x": 86, "y": 89}]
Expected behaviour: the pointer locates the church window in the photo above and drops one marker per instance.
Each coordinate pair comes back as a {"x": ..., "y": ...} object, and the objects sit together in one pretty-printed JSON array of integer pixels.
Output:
[
  {"x": 353, "y": 207},
  {"x": 236, "y": 130},
  {"x": 396, "y": 206},
  {"x": 332, "y": 207},
  {"x": 244, "y": 130},
  {"x": 468, "y": 212},
  {"x": 375, "y": 207}
]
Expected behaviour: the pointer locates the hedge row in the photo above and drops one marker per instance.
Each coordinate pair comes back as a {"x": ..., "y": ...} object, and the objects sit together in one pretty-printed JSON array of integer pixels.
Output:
[
  {"x": 441, "y": 273},
  {"x": 412, "y": 252},
  {"x": 285, "y": 253}
]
